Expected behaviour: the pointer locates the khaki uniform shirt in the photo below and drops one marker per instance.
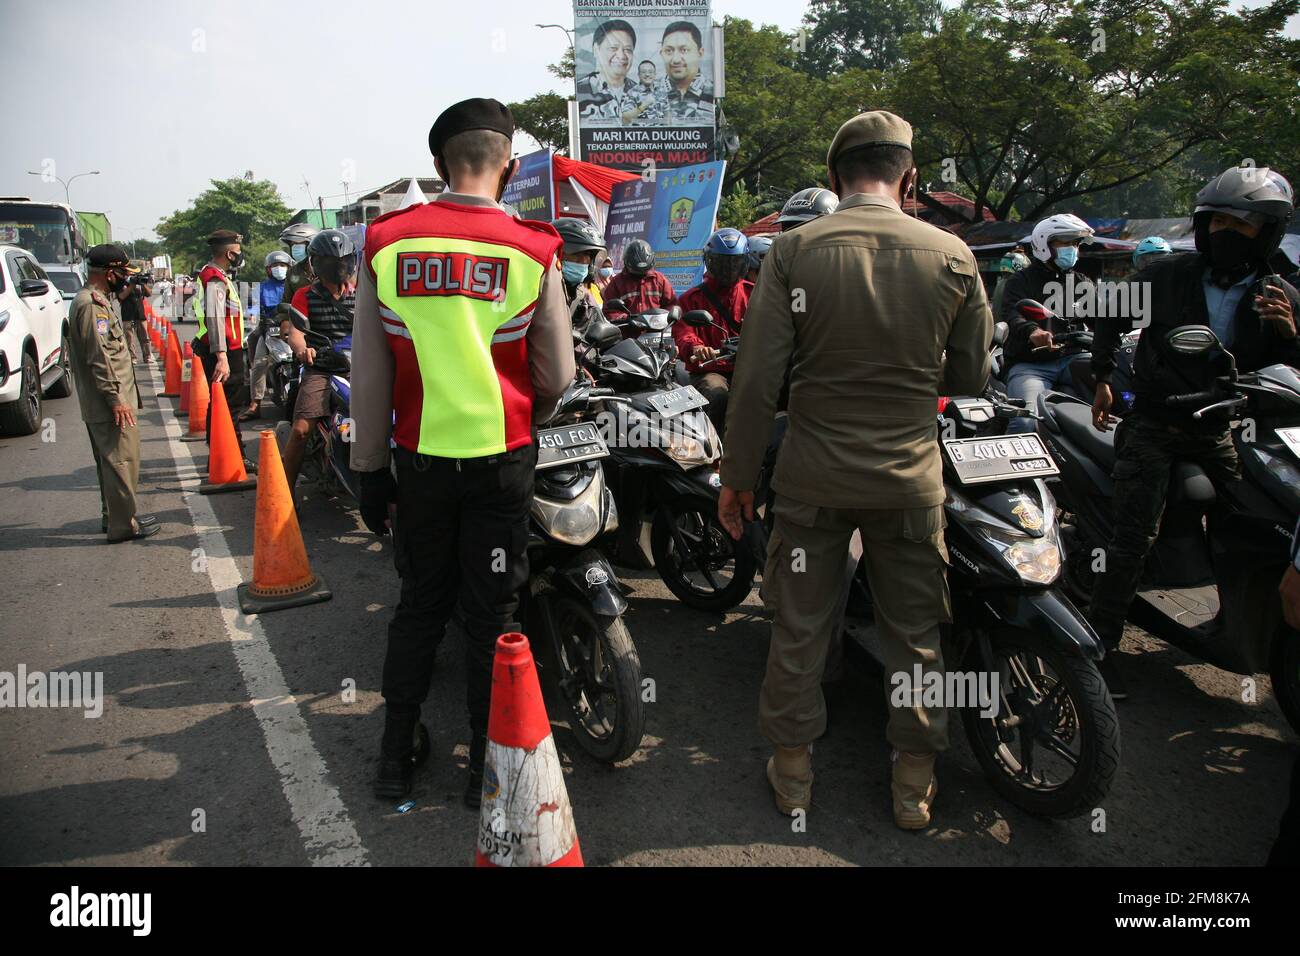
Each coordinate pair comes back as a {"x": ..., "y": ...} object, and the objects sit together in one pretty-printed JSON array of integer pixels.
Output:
[
  {"x": 865, "y": 303},
  {"x": 101, "y": 356}
]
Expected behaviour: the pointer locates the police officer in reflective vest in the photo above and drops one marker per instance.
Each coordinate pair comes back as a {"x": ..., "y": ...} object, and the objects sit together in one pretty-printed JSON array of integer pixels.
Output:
[
  {"x": 220, "y": 342},
  {"x": 461, "y": 341}
]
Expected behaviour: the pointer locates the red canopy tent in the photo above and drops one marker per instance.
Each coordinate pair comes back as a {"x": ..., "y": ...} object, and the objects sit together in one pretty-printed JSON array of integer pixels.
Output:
[{"x": 591, "y": 184}]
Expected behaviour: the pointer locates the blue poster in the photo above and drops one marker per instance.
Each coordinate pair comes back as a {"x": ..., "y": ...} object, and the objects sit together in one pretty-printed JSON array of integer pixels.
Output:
[
  {"x": 675, "y": 213},
  {"x": 532, "y": 191}
]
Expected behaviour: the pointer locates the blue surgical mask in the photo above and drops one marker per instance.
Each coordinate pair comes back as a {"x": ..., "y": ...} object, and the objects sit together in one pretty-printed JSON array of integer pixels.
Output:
[
  {"x": 1067, "y": 257},
  {"x": 606, "y": 272},
  {"x": 575, "y": 272},
  {"x": 298, "y": 251}
]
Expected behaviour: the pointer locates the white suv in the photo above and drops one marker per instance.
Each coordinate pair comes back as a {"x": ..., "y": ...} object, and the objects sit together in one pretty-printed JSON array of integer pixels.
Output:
[{"x": 33, "y": 342}]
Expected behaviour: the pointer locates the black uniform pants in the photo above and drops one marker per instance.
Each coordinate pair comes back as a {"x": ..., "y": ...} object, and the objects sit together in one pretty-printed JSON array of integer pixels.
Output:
[
  {"x": 235, "y": 387},
  {"x": 461, "y": 537},
  {"x": 1145, "y": 451}
]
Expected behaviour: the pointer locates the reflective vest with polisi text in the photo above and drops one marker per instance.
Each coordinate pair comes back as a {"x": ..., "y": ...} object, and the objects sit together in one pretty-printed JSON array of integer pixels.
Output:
[
  {"x": 234, "y": 308},
  {"x": 457, "y": 286}
]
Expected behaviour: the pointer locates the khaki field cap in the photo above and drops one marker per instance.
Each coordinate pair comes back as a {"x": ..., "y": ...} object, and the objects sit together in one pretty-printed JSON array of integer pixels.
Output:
[{"x": 877, "y": 128}]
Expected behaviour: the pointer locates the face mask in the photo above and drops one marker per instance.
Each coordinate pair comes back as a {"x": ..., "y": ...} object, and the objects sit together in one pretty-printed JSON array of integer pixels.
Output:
[
  {"x": 298, "y": 252},
  {"x": 1066, "y": 257},
  {"x": 606, "y": 272},
  {"x": 1230, "y": 250},
  {"x": 279, "y": 272},
  {"x": 575, "y": 272},
  {"x": 236, "y": 261}
]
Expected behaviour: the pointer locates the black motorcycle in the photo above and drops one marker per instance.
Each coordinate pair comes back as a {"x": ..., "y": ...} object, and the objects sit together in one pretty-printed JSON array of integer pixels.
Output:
[
  {"x": 1210, "y": 582},
  {"x": 573, "y": 604},
  {"x": 663, "y": 455}
]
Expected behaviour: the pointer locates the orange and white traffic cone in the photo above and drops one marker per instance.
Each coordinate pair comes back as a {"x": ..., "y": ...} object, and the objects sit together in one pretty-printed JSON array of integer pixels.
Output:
[
  {"x": 198, "y": 420},
  {"x": 525, "y": 818},
  {"x": 282, "y": 576},
  {"x": 225, "y": 457},
  {"x": 187, "y": 361},
  {"x": 172, "y": 367}
]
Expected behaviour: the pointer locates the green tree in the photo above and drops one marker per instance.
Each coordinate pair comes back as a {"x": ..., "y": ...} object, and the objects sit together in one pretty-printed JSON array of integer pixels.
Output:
[
  {"x": 1025, "y": 105},
  {"x": 253, "y": 208},
  {"x": 738, "y": 208},
  {"x": 544, "y": 117},
  {"x": 867, "y": 34}
]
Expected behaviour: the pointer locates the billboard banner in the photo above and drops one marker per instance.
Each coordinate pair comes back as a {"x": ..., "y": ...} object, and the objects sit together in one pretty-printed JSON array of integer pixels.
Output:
[
  {"x": 674, "y": 213},
  {"x": 532, "y": 191},
  {"x": 644, "y": 82}
]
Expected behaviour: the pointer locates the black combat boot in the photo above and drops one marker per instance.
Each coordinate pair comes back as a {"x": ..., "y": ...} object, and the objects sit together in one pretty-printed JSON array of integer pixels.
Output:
[
  {"x": 395, "y": 753},
  {"x": 477, "y": 755}
]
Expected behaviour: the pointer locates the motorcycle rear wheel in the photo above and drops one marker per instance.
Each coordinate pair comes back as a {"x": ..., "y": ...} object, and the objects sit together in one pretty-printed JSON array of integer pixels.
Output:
[
  {"x": 598, "y": 673},
  {"x": 716, "y": 573},
  {"x": 1048, "y": 701}
]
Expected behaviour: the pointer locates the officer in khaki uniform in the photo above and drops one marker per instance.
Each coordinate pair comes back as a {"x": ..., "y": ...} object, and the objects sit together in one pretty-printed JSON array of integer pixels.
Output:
[
  {"x": 880, "y": 314},
  {"x": 107, "y": 392}
]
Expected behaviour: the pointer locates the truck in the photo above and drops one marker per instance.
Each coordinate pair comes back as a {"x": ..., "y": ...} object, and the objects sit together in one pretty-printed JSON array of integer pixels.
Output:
[{"x": 53, "y": 233}]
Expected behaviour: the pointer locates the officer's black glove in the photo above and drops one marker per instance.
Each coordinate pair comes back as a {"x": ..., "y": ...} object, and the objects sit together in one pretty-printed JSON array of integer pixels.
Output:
[{"x": 378, "y": 490}]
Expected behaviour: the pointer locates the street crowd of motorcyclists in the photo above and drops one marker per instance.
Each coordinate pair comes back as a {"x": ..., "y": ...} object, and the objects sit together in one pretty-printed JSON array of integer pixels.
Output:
[{"x": 849, "y": 325}]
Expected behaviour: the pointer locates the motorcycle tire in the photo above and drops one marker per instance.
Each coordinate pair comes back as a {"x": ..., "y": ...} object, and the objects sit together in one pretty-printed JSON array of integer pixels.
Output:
[
  {"x": 700, "y": 514},
  {"x": 591, "y": 650},
  {"x": 1086, "y": 713},
  {"x": 1284, "y": 670}
]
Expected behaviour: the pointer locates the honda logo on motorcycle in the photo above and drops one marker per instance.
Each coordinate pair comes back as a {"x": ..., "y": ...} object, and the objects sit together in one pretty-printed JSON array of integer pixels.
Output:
[{"x": 596, "y": 577}]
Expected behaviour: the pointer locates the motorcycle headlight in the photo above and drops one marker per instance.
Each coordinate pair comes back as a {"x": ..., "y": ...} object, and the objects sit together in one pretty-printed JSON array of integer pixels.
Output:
[
  {"x": 691, "y": 440},
  {"x": 575, "y": 522},
  {"x": 1281, "y": 469},
  {"x": 1037, "y": 560}
]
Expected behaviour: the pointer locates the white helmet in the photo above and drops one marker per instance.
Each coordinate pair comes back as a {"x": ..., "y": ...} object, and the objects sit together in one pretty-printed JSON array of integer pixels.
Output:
[{"x": 1065, "y": 226}]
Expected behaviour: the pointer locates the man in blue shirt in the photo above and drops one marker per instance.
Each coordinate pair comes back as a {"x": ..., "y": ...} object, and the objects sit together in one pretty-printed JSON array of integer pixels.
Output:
[{"x": 269, "y": 295}]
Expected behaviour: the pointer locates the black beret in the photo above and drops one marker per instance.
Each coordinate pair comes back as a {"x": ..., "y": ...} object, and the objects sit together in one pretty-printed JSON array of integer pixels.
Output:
[
  {"x": 467, "y": 115},
  {"x": 224, "y": 237},
  {"x": 107, "y": 255}
]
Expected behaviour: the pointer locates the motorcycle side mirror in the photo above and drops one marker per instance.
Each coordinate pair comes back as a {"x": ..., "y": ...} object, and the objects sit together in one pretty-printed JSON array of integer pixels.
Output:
[
  {"x": 1001, "y": 332},
  {"x": 1033, "y": 310},
  {"x": 698, "y": 318},
  {"x": 616, "y": 305},
  {"x": 1192, "y": 339}
]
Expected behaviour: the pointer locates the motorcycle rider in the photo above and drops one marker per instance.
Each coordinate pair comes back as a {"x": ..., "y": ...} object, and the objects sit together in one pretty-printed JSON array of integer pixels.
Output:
[
  {"x": 1149, "y": 250},
  {"x": 1239, "y": 219},
  {"x": 724, "y": 294},
  {"x": 270, "y": 292},
  {"x": 296, "y": 238},
  {"x": 328, "y": 304},
  {"x": 1008, "y": 266},
  {"x": 1034, "y": 363},
  {"x": 583, "y": 247},
  {"x": 807, "y": 205},
  {"x": 640, "y": 286},
  {"x": 758, "y": 247}
]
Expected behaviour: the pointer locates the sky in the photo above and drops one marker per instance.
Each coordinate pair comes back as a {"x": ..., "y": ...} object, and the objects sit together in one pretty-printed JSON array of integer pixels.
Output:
[{"x": 157, "y": 96}]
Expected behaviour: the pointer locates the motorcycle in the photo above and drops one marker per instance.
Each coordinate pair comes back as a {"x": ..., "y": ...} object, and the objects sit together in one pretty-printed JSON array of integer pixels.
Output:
[
  {"x": 1052, "y": 744},
  {"x": 326, "y": 459},
  {"x": 663, "y": 452},
  {"x": 1209, "y": 585},
  {"x": 1082, "y": 382},
  {"x": 573, "y": 604},
  {"x": 282, "y": 374}
]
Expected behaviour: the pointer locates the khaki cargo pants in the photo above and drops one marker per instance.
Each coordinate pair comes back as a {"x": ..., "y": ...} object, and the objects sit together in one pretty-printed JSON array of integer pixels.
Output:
[
  {"x": 117, "y": 465},
  {"x": 906, "y": 563}
]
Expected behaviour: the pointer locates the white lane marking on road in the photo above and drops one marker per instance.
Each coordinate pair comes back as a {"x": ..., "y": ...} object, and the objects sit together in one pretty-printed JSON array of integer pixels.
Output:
[{"x": 315, "y": 805}]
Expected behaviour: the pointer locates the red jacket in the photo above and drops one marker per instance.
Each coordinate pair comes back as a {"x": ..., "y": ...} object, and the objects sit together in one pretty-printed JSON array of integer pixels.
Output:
[
  {"x": 640, "y": 293},
  {"x": 734, "y": 299}
]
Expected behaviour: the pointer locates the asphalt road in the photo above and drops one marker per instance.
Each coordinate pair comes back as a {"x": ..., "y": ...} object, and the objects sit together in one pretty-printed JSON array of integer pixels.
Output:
[{"x": 241, "y": 725}]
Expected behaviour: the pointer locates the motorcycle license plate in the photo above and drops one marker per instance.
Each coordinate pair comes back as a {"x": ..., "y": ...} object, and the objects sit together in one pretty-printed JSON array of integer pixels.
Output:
[
  {"x": 569, "y": 443},
  {"x": 677, "y": 400},
  {"x": 978, "y": 461}
]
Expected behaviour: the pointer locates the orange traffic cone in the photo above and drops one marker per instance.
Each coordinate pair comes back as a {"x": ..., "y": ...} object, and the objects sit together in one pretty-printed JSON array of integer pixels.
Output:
[
  {"x": 225, "y": 457},
  {"x": 525, "y": 818},
  {"x": 198, "y": 421},
  {"x": 172, "y": 366},
  {"x": 282, "y": 576},
  {"x": 152, "y": 330},
  {"x": 187, "y": 360}
]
